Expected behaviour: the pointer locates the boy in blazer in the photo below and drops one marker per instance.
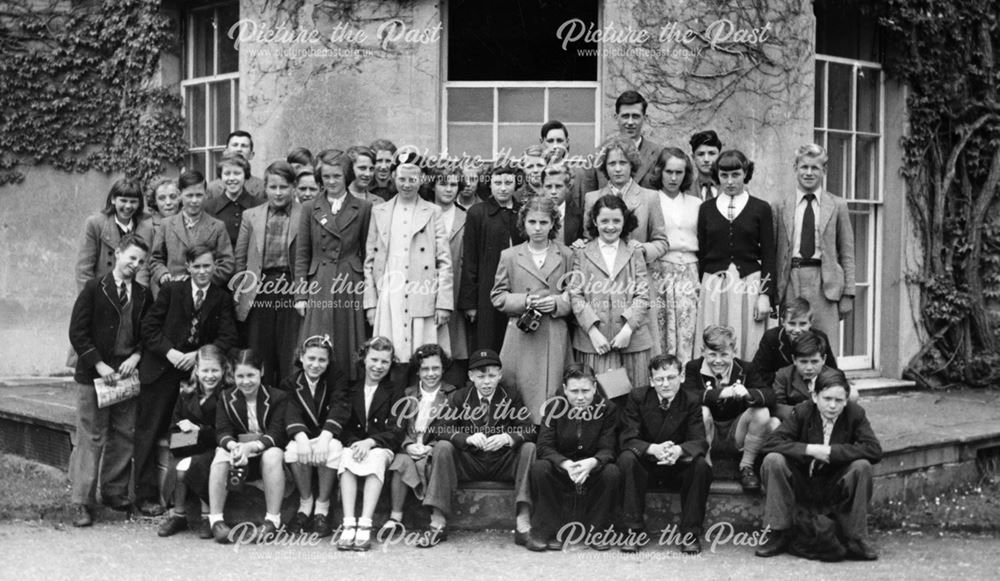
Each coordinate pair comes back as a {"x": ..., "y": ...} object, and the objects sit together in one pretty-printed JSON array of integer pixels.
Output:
[
  {"x": 265, "y": 255},
  {"x": 815, "y": 246},
  {"x": 488, "y": 436},
  {"x": 827, "y": 446},
  {"x": 556, "y": 183},
  {"x": 186, "y": 315},
  {"x": 796, "y": 383},
  {"x": 105, "y": 331},
  {"x": 735, "y": 402},
  {"x": 776, "y": 345},
  {"x": 663, "y": 440}
]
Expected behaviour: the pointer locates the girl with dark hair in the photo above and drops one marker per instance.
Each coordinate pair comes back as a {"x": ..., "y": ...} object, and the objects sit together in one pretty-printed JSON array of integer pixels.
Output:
[
  {"x": 530, "y": 289},
  {"x": 609, "y": 289},
  {"x": 736, "y": 256},
  {"x": 122, "y": 215}
]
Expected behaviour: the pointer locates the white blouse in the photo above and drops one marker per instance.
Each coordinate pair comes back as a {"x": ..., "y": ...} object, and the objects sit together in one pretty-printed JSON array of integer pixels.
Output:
[{"x": 680, "y": 214}]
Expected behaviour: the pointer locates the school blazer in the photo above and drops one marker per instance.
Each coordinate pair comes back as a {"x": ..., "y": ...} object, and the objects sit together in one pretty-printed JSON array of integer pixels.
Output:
[
  {"x": 775, "y": 352},
  {"x": 572, "y": 227},
  {"x": 578, "y": 434},
  {"x": 517, "y": 277},
  {"x": 789, "y": 387},
  {"x": 705, "y": 389},
  {"x": 97, "y": 251},
  {"x": 645, "y": 204},
  {"x": 836, "y": 244},
  {"x": 610, "y": 299},
  {"x": 507, "y": 415},
  {"x": 250, "y": 255},
  {"x": 202, "y": 414},
  {"x": 172, "y": 240},
  {"x": 167, "y": 324},
  {"x": 852, "y": 437},
  {"x": 408, "y": 409},
  {"x": 644, "y": 423},
  {"x": 304, "y": 414},
  {"x": 429, "y": 278},
  {"x": 94, "y": 324},
  {"x": 455, "y": 246},
  {"x": 381, "y": 423},
  {"x": 231, "y": 416}
]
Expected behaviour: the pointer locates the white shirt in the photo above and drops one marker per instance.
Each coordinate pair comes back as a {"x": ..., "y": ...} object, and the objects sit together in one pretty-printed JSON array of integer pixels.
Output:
[
  {"x": 680, "y": 214},
  {"x": 424, "y": 409},
  {"x": 448, "y": 219},
  {"x": 312, "y": 385},
  {"x": 194, "y": 292},
  {"x": 336, "y": 203},
  {"x": 126, "y": 228},
  {"x": 620, "y": 191},
  {"x": 369, "y": 396},
  {"x": 706, "y": 370},
  {"x": 828, "y": 429},
  {"x": 739, "y": 201},
  {"x": 609, "y": 252},
  {"x": 252, "y": 424},
  {"x": 800, "y": 212},
  {"x": 118, "y": 285}
]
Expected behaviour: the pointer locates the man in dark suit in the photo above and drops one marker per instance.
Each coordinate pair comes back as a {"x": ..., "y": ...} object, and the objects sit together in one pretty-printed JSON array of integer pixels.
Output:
[
  {"x": 630, "y": 113},
  {"x": 815, "y": 244},
  {"x": 187, "y": 315},
  {"x": 663, "y": 440},
  {"x": 734, "y": 400},
  {"x": 822, "y": 455},
  {"x": 105, "y": 331},
  {"x": 556, "y": 183},
  {"x": 488, "y": 436}
]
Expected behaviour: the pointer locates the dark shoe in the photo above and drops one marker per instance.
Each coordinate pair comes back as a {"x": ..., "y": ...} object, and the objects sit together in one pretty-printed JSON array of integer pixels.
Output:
[
  {"x": 267, "y": 532},
  {"x": 749, "y": 480},
  {"x": 631, "y": 546},
  {"x": 204, "y": 531},
  {"x": 554, "y": 545},
  {"x": 600, "y": 546},
  {"x": 298, "y": 524},
  {"x": 172, "y": 525},
  {"x": 150, "y": 508},
  {"x": 533, "y": 543},
  {"x": 859, "y": 550},
  {"x": 432, "y": 538},
  {"x": 693, "y": 547},
  {"x": 775, "y": 544},
  {"x": 521, "y": 539},
  {"x": 82, "y": 516},
  {"x": 119, "y": 503},
  {"x": 389, "y": 528},
  {"x": 220, "y": 531},
  {"x": 319, "y": 525}
]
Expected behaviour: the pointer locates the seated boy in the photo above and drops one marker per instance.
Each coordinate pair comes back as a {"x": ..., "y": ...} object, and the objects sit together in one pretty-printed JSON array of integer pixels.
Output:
[
  {"x": 793, "y": 384},
  {"x": 488, "y": 435},
  {"x": 734, "y": 399},
  {"x": 826, "y": 445},
  {"x": 775, "y": 350}
]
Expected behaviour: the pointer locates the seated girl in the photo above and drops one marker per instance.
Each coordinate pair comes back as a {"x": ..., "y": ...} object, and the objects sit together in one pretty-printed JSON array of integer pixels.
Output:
[
  {"x": 371, "y": 437},
  {"x": 250, "y": 429},
  {"x": 419, "y": 419},
  {"x": 317, "y": 411},
  {"x": 194, "y": 414}
]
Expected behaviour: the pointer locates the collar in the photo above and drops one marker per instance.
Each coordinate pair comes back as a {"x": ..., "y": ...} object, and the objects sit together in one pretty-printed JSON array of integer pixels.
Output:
[
  {"x": 827, "y": 422},
  {"x": 119, "y": 281},
  {"x": 127, "y": 228},
  {"x": 424, "y": 393},
  {"x": 562, "y": 208},
  {"x": 195, "y": 288},
  {"x": 619, "y": 191},
  {"x": 282, "y": 210},
  {"x": 638, "y": 142},
  {"x": 740, "y": 196},
  {"x": 190, "y": 222},
  {"x": 707, "y": 371},
  {"x": 602, "y": 245},
  {"x": 800, "y": 195}
]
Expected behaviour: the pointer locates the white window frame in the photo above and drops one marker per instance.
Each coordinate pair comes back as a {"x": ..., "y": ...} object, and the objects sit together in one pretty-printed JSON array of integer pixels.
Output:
[
  {"x": 873, "y": 297},
  {"x": 496, "y": 123},
  {"x": 207, "y": 81}
]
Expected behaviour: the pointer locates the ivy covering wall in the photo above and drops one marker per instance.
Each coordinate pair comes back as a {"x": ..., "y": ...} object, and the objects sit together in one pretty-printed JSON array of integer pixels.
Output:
[{"x": 78, "y": 88}]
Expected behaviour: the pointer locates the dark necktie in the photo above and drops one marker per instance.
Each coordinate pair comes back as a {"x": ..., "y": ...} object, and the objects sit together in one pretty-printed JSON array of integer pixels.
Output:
[
  {"x": 664, "y": 404},
  {"x": 123, "y": 295},
  {"x": 807, "y": 246},
  {"x": 706, "y": 192},
  {"x": 199, "y": 299}
]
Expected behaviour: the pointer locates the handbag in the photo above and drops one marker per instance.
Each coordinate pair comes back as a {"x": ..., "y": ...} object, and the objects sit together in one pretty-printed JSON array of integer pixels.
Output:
[
  {"x": 183, "y": 444},
  {"x": 615, "y": 382},
  {"x": 123, "y": 389}
]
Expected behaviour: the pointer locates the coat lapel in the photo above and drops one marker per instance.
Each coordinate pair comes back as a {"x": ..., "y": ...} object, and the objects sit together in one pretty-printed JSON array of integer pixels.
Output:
[
  {"x": 109, "y": 290},
  {"x": 305, "y": 398},
  {"x": 294, "y": 215},
  {"x": 827, "y": 209},
  {"x": 263, "y": 407},
  {"x": 421, "y": 216},
  {"x": 593, "y": 254},
  {"x": 622, "y": 258},
  {"x": 459, "y": 224},
  {"x": 382, "y": 215},
  {"x": 238, "y": 409},
  {"x": 109, "y": 232},
  {"x": 348, "y": 212},
  {"x": 524, "y": 260},
  {"x": 553, "y": 259},
  {"x": 789, "y": 217}
]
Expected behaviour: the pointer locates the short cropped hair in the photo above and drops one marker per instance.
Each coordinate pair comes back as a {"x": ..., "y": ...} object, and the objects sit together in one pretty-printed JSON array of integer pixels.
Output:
[
  {"x": 300, "y": 155},
  {"x": 811, "y": 150},
  {"x": 665, "y": 361},
  {"x": 230, "y": 158},
  {"x": 192, "y": 253},
  {"x": 796, "y": 307},
  {"x": 554, "y": 124},
  {"x": 709, "y": 138},
  {"x": 281, "y": 169},
  {"x": 240, "y": 133},
  {"x": 133, "y": 240},
  {"x": 188, "y": 178},
  {"x": 630, "y": 98},
  {"x": 383, "y": 145},
  {"x": 808, "y": 344},
  {"x": 719, "y": 338},
  {"x": 829, "y": 377}
]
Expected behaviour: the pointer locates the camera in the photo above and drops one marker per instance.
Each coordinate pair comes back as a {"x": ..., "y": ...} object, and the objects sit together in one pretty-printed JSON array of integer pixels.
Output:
[
  {"x": 236, "y": 478},
  {"x": 529, "y": 321}
]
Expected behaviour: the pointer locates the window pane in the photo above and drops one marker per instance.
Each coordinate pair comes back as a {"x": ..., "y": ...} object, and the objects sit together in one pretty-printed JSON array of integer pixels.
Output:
[
  {"x": 229, "y": 57},
  {"x": 220, "y": 107},
  {"x": 838, "y": 171},
  {"x": 818, "y": 136},
  {"x": 522, "y": 105},
  {"x": 236, "y": 101},
  {"x": 470, "y": 140},
  {"x": 847, "y": 29},
  {"x": 820, "y": 94},
  {"x": 861, "y": 223},
  {"x": 868, "y": 100},
  {"x": 195, "y": 104},
  {"x": 571, "y": 105},
  {"x": 202, "y": 43},
  {"x": 855, "y": 328},
  {"x": 867, "y": 176},
  {"x": 839, "y": 110},
  {"x": 196, "y": 161},
  {"x": 581, "y": 139},
  {"x": 213, "y": 163},
  {"x": 518, "y": 137},
  {"x": 470, "y": 105}
]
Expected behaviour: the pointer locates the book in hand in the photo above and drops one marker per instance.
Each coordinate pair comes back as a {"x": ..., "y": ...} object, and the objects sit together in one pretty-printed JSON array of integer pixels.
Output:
[{"x": 124, "y": 388}]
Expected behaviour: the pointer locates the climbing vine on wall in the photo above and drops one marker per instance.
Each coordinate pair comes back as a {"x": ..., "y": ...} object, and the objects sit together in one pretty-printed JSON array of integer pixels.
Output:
[
  {"x": 78, "y": 89},
  {"x": 945, "y": 51}
]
